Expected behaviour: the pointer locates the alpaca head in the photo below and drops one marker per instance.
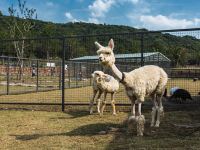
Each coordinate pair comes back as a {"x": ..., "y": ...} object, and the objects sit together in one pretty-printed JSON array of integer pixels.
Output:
[
  {"x": 99, "y": 76},
  {"x": 106, "y": 55}
]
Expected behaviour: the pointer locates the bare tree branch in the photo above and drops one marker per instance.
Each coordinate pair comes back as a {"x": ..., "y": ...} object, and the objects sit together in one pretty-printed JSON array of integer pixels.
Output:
[{"x": 20, "y": 24}]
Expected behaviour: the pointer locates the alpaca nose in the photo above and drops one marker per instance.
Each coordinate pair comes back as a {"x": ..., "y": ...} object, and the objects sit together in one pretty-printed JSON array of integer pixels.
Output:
[{"x": 100, "y": 58}]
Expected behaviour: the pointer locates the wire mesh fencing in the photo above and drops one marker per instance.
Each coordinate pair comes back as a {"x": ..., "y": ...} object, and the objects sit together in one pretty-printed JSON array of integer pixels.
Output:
[
  {"x": 181, "y": 47},
  {"x": 58, "y": 70},
  {"x": 30, "y": 71}
]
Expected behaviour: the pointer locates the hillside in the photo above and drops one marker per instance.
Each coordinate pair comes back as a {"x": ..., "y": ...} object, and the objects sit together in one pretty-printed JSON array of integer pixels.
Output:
[
  {"x": 174, "y": 47},
  {"x": 49, "y": 29}
]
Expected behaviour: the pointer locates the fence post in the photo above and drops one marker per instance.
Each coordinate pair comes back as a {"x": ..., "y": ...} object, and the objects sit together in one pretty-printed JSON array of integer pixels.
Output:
[
  {"x": 90, "y": 72},
  {"x": 75, "y": 73},
  {"x": 68, "y": 70},
  {"x": 8, "y": 76},
  {"x": 37, "y": 77},
  {"x": 142, "y": 49},
  {"x": 60, "y": 76},
  {"x": 80, "y": 72},
  {"x": 63, "y": 74}
]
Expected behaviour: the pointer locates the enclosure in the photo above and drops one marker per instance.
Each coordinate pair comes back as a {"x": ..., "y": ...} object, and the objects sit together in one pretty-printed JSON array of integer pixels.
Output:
[
  {"x": 54, "y": 74},
  {"x": 50, "y": 71}
]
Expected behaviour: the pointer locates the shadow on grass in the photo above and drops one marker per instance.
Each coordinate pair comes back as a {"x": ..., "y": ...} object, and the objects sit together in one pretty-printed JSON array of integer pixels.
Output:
[
  {"x": 86, "y": 130},
  {"x": 78, "y": 113},
  {"x": 73, "y": 114},
  {"x": 166, "y": 136}
]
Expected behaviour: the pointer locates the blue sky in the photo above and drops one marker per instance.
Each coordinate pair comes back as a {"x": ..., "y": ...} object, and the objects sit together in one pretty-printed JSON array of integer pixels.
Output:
[{"x": 150, "y": 14}]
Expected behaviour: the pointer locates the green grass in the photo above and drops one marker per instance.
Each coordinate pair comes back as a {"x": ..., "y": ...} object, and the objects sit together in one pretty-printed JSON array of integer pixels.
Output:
[
  {"x": 83, "y": 94},
  {"x": 44, "y": 83},
  {"x": 75, "y": 129}
]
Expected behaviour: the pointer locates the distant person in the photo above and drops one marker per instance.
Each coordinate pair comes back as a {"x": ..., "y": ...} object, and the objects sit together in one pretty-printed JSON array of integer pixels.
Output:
[
  {"x": 80, "y": 75},
  {"x": 33, "y": 72}
]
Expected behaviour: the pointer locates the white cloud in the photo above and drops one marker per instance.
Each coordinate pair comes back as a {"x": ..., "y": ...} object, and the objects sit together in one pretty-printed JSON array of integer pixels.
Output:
[
  {"x": 100, "y": 7},
  {"x": 129, "y": 1},
  {"x": 138, "y": 10},
  {"x": 141, "y": 16},
  {"x": 197, "y": 21},
  {"x": 93, "y": 20},
  {"x": 69, "y": 16},
  {"x": 164, "y": 22}
]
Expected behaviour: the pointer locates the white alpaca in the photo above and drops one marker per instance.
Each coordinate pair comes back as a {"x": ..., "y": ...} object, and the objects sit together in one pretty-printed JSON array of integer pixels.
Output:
[
  {"x": 103, "y": 83},
  {"x": 145, "y": 81}
]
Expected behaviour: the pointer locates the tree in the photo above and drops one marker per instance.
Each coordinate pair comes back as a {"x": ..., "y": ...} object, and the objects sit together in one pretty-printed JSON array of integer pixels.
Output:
[
  {"x": 1, "y": 14},
  {"x": 179, "y": 55},
  {"x": 20, "y": 24}
]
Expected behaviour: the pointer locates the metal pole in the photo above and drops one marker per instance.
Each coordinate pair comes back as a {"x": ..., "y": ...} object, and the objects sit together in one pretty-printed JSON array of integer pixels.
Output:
[
  {"x": 37, "y": 77},
  {"x": 8, "y": 76},
  {"x": 75, "y": 73},
  {"x": 90, "y": 71},
  {"x": 63, "y": 75},
  {"x": 68, "y": 69},
  {"x": 60, "y": 76},
  {"x": 142, "y": 49},
  {"x": 80, "y": 72}
]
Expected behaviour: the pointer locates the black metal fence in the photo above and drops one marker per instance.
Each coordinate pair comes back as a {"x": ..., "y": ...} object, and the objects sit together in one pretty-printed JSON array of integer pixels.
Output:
[{"x": 58, "y": 70}]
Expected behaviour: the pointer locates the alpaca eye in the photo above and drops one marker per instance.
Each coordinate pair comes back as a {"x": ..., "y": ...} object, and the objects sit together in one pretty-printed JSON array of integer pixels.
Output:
[{"x": 107, "y": 53}]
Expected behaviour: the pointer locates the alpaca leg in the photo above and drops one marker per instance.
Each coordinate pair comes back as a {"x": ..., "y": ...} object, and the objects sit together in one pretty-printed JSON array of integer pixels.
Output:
[
  {"x": 132, "y": 99},
  {"x": 140, "y": 105},
  {"x": 159, "y": 111},
  {"x": 139, "y": 109},
  {"x": 161, "y": 107},
  {"x": 103, "y": 103},
  {"x": 92, "y": 101},
  {"x": 133, "y": 108},
  {"x": 140, "y": 120},
  {"x": 153, "y": 115},
  {"x": 99, "y": 101},
  {"x": 113, "y": 103},
  {"x": 154, "y": 110}
]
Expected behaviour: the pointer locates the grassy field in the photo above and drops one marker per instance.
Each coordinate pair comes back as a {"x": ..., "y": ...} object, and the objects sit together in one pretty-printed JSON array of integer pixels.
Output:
[
  {"x": 83, "y": 94},
  {"x": 44, "y": 83},
  {"x": 75, "y": 129}
]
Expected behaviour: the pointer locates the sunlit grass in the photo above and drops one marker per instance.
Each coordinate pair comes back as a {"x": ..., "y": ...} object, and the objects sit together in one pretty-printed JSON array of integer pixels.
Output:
[
  {"x": 79, "y": 130},
  {"x": 82, "y": 94}
]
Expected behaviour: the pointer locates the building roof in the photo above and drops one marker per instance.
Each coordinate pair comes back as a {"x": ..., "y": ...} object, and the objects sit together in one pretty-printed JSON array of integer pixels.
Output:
[{"x": 125, "y": 56}]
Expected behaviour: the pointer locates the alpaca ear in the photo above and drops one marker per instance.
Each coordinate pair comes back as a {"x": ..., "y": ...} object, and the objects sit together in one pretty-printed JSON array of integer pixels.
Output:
[
  {"x": 97, "y": 44},
  {"x": 92, "y": 75},
  {"x": 111, "y": 44}
]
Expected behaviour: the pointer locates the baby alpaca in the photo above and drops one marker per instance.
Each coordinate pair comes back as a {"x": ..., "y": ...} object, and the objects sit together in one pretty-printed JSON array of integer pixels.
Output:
[
  {"x": 144, "y": 81},
  {"x": 103, "y": 83}
]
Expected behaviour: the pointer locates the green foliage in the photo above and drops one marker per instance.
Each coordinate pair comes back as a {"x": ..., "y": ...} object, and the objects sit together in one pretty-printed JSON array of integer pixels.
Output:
[
  {"x": 1, "y": 14},
  {"x": 182, "y": 50}
]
